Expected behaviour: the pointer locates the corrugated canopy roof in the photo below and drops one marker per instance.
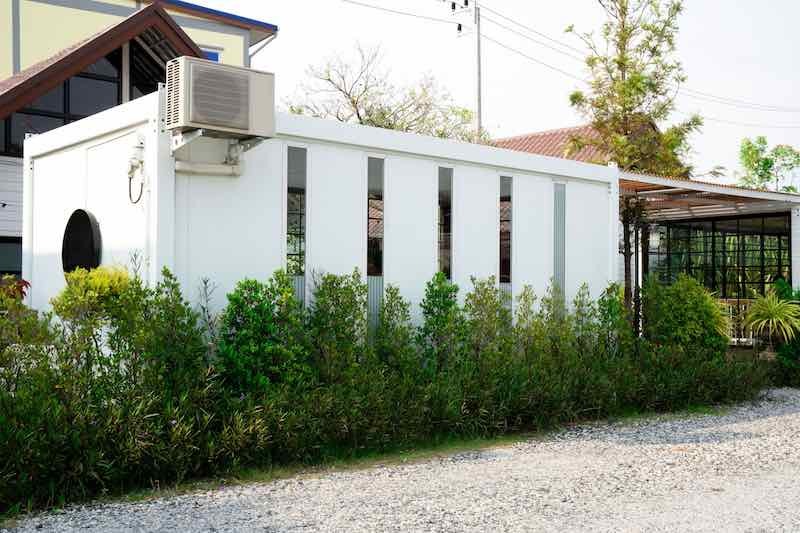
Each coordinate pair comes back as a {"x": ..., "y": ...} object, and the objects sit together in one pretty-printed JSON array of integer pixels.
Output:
[{"x": 667, "y": 197}]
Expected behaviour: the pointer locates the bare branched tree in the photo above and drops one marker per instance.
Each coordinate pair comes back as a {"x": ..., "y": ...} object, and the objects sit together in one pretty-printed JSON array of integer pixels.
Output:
[{"x": 360, "y": 92}]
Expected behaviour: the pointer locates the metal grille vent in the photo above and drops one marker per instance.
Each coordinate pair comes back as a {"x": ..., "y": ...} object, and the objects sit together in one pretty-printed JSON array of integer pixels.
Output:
[
  {"x": 174, "y": 91},
  {"x": 220, "y": 97}
]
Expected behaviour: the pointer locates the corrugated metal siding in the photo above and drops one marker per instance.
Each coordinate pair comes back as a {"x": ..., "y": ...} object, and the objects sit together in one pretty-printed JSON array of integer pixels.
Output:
[
  {"x": 374, "y": 299},
  {"x": 299, "y": 283},
  {"x": 11, "y": 195},
  {"x": 559, "y": 235},
  {"x": 505, "y": 288}
]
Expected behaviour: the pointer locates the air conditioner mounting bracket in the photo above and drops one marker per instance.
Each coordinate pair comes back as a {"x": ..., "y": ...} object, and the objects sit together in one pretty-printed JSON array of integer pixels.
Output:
[{"x": 236, "y": 147}]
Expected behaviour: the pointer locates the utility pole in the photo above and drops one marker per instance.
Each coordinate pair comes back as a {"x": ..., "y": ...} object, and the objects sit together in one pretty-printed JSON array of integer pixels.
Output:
[{"x": 479, "y": 110}]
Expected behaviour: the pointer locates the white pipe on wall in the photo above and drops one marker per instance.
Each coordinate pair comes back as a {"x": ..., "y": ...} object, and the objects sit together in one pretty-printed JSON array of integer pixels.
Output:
[{"x": 208, "y": 169}]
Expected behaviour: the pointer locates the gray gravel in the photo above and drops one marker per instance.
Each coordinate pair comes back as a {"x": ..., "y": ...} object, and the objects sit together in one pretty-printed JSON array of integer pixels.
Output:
[{"x": 739, "y": 471}]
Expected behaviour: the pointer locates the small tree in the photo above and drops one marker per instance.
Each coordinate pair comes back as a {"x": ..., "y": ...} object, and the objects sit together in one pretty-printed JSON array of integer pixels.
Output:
[
  {"x": 764, "y": 167},
  {"x": 360, "y": 92},
  {"x": 634, "y": 79}
]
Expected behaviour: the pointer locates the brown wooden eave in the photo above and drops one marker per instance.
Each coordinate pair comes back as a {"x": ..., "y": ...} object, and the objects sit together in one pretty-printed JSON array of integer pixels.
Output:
[{"x": 44, "y": 76}]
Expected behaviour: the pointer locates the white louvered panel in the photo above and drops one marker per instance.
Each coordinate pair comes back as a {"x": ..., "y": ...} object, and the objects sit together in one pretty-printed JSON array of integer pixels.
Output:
[
  {"x": 220, "y": 97},
  {"x": 11, "y": 195},
  {"x": 174, "y": 94}
]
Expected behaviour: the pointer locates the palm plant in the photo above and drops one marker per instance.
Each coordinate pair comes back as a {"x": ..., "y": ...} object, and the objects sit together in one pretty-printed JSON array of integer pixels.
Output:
[{"x": 777, "y": 317}]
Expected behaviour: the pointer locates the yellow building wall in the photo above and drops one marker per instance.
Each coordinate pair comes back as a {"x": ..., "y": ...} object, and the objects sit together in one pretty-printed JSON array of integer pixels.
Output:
[
  {"x": 232, "y": 46},
  {"x": 46, "y": 29},
  {"x": 6, "y": 41}
]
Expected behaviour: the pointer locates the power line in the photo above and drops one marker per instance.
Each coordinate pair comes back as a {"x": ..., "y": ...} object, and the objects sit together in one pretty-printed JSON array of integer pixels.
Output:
[
  {"x": 531, "y": 58},
  {"x": 686, "y": 91},
  {"x": 570, "y": 75},
  {"x": 733, "y": 102},
  {"x": 736, "y": 103},
  {"x": 540, "y": 34},
  {"x": 512, "y": 30},
  {"x": 404, "y": 13}
]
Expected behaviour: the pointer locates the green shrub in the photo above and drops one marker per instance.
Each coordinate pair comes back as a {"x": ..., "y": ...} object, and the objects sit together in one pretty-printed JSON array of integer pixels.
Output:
[
  {"x": 684, "y": 314},
  {"x": 394, "y": 336},
  {"x": 338, "y": 323},
  {"x": 442, "y": 333},
  {"x": 122, "y": 392},
  {"x": 773, "y": 316},
  {"x": 262, "y": 338}
]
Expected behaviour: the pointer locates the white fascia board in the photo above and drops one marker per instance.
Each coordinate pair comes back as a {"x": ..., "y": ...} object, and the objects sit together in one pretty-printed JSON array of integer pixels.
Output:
[
  {"x": 789, "y": 198},
  {"x": 107, "y": 122},
  {"x": 304, "y": 128}
]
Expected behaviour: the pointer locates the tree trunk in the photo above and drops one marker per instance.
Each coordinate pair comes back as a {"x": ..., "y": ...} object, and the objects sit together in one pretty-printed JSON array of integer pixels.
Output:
[{"x": 627, "y": 253}]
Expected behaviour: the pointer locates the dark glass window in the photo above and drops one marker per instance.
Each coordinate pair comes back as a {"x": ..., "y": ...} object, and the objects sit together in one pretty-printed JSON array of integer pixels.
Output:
[
  {"x": 446, "y": 221},
  {"x": 106, "y": 67},
  {"x": 88, "y": 96},
  {"x": 95, "y": 89},
  {"x": 52, "y": 101},
  {"x": 296, "y": 211},
  {"x": 22, "y": 123},
  {"x": 505, "y": 229},
  {"x": 10, "y": 256},
  {"x": 374, "y": 216},
  {"x": 736, "y": 257}
]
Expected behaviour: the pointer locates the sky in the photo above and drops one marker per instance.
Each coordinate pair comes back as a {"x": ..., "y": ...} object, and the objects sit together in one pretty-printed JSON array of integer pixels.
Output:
[{"x": 736, "y": 50}]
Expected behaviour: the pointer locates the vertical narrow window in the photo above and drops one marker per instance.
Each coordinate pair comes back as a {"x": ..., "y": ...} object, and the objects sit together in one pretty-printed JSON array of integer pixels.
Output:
[
  {"x": 374, "y": 240},
  {"x": 374, "y": 216},
  {"x": 446, "y": 221},
  {"x": 559, "y": 236},
  {"x": 296, "y": 170},
  {"x": 505, "y": 229}
]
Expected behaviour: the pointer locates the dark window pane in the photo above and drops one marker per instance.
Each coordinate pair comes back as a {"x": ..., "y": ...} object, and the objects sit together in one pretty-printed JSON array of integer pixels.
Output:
[
  {"x": 374, "y": 216},
  {"x": 22, "y": 123},
  {"x": 88, "y": 96},
  {"x": 110, "y": 66},
  {"x": 296, "y": 209},
  {"x": 445, "y": 228},
  {"x": 2, "y": 136},
  {"x": 11, "y": 256},
  {"x": 52, "y": 101}
]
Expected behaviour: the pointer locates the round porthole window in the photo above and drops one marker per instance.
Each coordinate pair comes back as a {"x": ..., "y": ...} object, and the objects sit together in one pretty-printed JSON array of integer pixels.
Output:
[{"x": 81, "y": 245}]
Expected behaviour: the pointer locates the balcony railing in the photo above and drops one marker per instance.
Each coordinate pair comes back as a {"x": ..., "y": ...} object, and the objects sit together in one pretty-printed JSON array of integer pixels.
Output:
[{"x": 736, "y": 311}]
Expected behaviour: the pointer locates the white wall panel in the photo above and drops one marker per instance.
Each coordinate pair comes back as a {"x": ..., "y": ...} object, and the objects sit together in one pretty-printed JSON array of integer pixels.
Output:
[
  {"x": 57, "y": 192},
  {"x": 410, "y": 229},
  {"x": 336, "y": 234},
  {"x": 230, "y": 228},
  {"x": 532, "y": 233},
  {"x": 122, "y": 224},
  {"x": 476, "y": 225},
  {"x": 588, "y": 241}
]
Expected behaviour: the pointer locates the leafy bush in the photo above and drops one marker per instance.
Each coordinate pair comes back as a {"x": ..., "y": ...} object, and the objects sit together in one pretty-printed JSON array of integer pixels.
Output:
[
  {"x": 121, "y": 390},
  {"x": 786, "y": 369},
  {"x": 774, "y": 316},
  {"x": 338, "y": 323},
  {"x": 684, "y": 314},
  {"x": 442, "y": 332},
  {"x": 262, "y": 337}
]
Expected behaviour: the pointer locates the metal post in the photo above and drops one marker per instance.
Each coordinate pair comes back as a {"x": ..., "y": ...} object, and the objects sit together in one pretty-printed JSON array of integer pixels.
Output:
[{"x": 479, "y": 112}]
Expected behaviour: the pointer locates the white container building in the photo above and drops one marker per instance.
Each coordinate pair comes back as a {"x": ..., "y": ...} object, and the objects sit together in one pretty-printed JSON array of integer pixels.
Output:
[{"x": 301, "y": 198}]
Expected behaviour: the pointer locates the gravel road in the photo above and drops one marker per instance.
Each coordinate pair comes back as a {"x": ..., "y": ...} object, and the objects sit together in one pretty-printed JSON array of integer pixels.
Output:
[{"x": 739, "y": 471}]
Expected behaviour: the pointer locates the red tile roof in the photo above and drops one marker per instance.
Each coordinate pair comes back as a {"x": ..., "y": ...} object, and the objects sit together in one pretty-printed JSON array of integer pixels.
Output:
[{"x": 554, "y": 143}]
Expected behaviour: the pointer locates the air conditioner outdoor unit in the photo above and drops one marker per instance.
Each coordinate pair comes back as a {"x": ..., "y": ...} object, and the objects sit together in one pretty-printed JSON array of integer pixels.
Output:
[{"x": 221, "y": 100}]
